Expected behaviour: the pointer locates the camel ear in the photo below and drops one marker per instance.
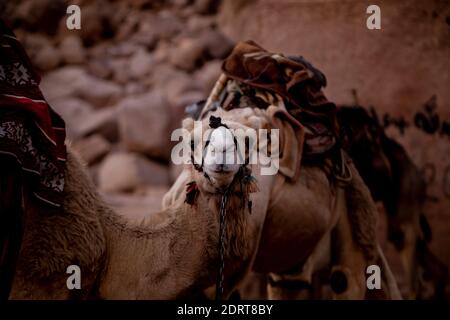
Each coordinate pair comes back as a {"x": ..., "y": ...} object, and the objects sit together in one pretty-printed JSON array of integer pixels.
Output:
[{"x": 188, "y": 124}]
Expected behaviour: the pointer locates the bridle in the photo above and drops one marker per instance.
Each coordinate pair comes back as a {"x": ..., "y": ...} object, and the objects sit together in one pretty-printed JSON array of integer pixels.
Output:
[
  {"x": 214, "y": 123},
  {"x": 244, "y": 176}
]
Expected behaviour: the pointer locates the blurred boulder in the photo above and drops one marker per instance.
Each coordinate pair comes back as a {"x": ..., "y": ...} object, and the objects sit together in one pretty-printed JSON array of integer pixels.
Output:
[
  {"x": 103, "y": 122},
  {"x": 123, "y": 49},
  {"x": 176, "y": 87},
  {"x": 134, "y": 88},
  {"x": 196, "y": 24},
  {"x": 100, "y": 68},
  {"x": 63, "y": 82},
  {"x": 120, "y": 68},
  {"x": 140, "y": 64},
  {"x": 162, "y": 73},
  {"x": 207, "y": 76},
  {"x": 121, "y": 172},
  {"x": 75, "y": 81},
  {"x": 188, "y": 54},
  {"x": 217, "y": 45},
  {"x": 99, "y": 92},
  {"x": 39, "y": 15},
  {"x": 74, "y": 111},
  {"x": 154, "y": 27},
  {"x": 96, "y": 22},
  {"x": 92, "y": 148},
  {"x": 72, "y": 50},
  {"x": 47, "y": 58},
  {"x": 206, "y": 6},
  {"x": 144, "y": 123}
]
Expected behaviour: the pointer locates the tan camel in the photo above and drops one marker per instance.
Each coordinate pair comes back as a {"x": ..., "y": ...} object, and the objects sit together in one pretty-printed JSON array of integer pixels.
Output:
[
  {"x": 170, "y": 254},
  {"x": 296, "y": 217}
]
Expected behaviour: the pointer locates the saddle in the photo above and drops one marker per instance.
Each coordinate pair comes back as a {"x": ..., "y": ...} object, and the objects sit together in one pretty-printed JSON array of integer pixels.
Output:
[{"x": 253, "y": 77}]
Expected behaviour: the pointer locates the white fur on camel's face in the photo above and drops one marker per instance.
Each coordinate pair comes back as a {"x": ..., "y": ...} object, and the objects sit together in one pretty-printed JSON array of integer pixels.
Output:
[{"x": 220, "y": 157}]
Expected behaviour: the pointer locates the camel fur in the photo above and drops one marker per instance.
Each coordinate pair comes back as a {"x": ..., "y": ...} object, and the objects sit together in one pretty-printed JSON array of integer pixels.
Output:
[
  {"x": 300, "y": 214},
  {"x": 170, "y": 254}
]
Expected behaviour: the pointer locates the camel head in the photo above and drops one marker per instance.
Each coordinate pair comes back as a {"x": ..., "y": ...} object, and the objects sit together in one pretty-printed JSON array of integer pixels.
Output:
[{"x": 217, "y": 159}]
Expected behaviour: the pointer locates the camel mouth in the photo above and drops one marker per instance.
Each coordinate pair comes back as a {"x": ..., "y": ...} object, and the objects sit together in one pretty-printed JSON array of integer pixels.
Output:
[{"x": 221, "y": 171}]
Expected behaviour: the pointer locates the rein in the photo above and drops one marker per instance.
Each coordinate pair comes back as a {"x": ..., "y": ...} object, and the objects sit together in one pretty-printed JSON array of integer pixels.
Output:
[{"x": 221, "y": 244}]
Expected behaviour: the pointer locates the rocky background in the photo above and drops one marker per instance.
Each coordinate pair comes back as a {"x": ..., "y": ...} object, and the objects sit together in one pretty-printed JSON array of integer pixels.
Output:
[{"x": 122, "y": 81}]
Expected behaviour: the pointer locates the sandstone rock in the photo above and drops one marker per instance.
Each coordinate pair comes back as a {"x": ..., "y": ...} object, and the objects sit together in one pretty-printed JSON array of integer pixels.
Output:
[
  {"x": 161, "y": 52},
  {"x": 120, "y": 70},
  {"x": 144, "y": 122},
  {"x": 62, "y": 82},
  {"x": 72, "y": 50},
  {"x": 33, "y": 42},
  {"x": 196, "y": 24},
  {"x": 162, "y": 73},
  {"x": 39, "y": 15},
  {"x": 179, "y": 105},
  {"x": 188, "y": 54},
  {"x": 207, "y": 76},
  {"x": 128, "y": 26},
  {"x": 100, "y": 68},
  {"x": 134, "y": 88},
  {"x": 129, "y": 171},
  {"x": 76, "y": 82},
  {"x": 74, "y": 111},
  {"x": 96, "y": 22},
  {"x": 140, "y": 64},
  {"x": 47, "y": 58},
  {"x": 217, "y": 45},
  {"x": 123, "y": 49},
  {"x": 155, "y": 27},
  {"x": 99, "y": 92},
  {"x": 92, "y": 148},
  {"x": 177, "y": 86},
  {"x": 206, "y": 6},
  {"x": 103, "y": 122}
]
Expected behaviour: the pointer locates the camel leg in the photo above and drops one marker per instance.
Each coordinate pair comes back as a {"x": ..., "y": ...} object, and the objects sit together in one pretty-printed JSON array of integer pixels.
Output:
[
  {"x": 300, "y": 285},
  {"x": 349, "y": 264},
  {"x": 409, "y": 260}
]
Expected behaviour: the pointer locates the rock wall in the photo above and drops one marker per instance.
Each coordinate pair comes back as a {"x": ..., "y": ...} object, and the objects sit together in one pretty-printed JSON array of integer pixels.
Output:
[{"x": 122, "y": 82}]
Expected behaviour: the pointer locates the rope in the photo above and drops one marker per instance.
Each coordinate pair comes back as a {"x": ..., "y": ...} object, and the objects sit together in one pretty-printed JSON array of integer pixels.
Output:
[{"x": 221, "y": 245}]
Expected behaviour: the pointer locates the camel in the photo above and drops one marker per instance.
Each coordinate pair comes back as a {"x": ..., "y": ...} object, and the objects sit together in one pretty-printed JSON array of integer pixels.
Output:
[
  {"x": 394, "y": 179},
  {"x": 170, "y": 254},
  {"x": 295, "y": 221}
]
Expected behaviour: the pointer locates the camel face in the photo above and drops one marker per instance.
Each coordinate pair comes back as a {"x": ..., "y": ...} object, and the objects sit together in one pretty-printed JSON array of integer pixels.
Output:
[{"x": 220, "y": 157}]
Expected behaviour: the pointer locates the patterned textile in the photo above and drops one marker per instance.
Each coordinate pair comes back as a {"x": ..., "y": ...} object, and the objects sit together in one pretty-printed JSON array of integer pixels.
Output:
[
  {"x": 256, "y": 75},
  {"x": 30, "y": 131}
]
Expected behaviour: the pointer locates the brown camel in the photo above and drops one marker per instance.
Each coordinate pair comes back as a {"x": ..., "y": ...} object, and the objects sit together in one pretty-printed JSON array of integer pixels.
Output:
[
  {"x": 170, "y": 254},
  {"x": 395, "y": 180},
  {"x": 293, "y": 219}
]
